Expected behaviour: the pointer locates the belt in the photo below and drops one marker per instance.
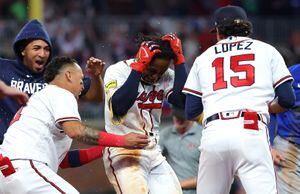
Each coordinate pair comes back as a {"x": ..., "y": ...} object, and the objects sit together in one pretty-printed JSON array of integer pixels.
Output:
[{"x": 217, "y": 116}]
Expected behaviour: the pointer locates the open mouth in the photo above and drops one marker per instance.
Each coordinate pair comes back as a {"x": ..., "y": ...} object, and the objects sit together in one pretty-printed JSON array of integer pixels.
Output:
[
  {"x": 40, "y": 65},
  {"x": 40, "y": 62}
]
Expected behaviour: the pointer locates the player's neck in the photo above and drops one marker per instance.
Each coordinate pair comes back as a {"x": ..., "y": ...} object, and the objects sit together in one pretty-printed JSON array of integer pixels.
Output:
[{"x": 60, "y": 83}]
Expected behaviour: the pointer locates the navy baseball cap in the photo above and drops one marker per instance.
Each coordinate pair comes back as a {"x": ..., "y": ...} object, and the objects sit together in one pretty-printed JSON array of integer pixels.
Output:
[{"x": 228, "y": 14}]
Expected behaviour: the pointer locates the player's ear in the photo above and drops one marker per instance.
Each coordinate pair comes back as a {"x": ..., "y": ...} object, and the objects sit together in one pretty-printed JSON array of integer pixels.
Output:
[{"x": 68, "y": 75}]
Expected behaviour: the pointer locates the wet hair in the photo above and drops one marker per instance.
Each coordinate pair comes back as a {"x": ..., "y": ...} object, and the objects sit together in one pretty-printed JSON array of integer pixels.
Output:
[
  {"x": 167, "y": 52},
  {"x": 55, "y": 65},
  {"x": 235, "y": 28}
]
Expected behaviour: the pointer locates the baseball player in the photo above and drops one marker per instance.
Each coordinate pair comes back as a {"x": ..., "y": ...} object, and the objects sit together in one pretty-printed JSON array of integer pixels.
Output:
[
  {"x": 233, "y": 83},
  {"x": 41, "y": 134},
  {"x": 33, "y": 51},
  {"x": 286, "y": 145},
  {"x": 134, "y": 93}
]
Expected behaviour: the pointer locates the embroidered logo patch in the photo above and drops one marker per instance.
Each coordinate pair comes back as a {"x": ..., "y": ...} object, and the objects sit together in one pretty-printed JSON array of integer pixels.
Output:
[{"x": 110, "y": 85}]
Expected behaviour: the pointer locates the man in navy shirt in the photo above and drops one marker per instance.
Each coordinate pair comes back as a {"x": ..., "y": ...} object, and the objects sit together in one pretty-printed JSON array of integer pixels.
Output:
[
  {"x": 33, "y": 50},
  {"x": 286, "y": 145}
]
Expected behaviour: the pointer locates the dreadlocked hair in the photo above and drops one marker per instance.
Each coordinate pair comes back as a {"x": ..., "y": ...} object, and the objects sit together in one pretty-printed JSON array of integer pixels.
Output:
[
  {"x": 235, "y": 28},
  {"x": 166, "y": 50}
]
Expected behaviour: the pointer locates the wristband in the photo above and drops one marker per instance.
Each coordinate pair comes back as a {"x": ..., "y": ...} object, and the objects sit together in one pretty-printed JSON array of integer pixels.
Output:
[{"x": 111, "y": 140}]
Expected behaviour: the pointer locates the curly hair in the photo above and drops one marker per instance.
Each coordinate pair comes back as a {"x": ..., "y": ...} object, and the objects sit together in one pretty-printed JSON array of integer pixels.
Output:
[
  {"x": 164, "y": 46},
  {"x": 235, "y": 28},
  {"x": 56, "y": 64}
]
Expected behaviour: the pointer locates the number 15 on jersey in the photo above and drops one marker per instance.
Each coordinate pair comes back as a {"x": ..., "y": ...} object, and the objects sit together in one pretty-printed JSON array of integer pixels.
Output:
[{"x": 236, "y": 67}]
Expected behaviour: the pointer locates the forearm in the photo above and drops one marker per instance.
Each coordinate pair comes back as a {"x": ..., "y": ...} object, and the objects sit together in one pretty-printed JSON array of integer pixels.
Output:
[
  {"x": 85, "y": 134},
  {"x": 180, "y": 77},
  {"x": 189, "y": 183},
  {"x": 76, "y": 158},
  {"x": 177, "y": 98},
  {"x": 123, "y": 99},
  {"x": 93, "y": 137},
  {"x": 95, "y": 93}
]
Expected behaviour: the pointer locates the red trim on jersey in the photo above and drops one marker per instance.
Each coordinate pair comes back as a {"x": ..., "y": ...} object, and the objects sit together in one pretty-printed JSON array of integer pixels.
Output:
[
  {"x": 192, "y": 91},
  {"x": 40, "y": 174},
  {"x": 285, "y": 78},
  {"x": 126, "y": 62},
  {"x": 67, "y": 119},
  {"x": 141, "y": 113},
  {"x": 150, "y": 114},
  {"x": 17, "y": 116},
  {"x": 150, "y": 106},
  {"x": 113, "y": 170},
  {"x": 169, "y": 93}
]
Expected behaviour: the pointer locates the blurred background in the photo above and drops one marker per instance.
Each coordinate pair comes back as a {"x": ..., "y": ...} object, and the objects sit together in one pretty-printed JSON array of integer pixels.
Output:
[{"x": 107, "y": 29}]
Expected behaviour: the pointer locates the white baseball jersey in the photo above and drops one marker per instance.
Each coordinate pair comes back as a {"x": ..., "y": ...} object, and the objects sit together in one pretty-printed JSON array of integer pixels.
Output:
[
  {"x": 139, "y": 171},
  {"x": 237, "y": 73},
  {"x": 144, "y": 115},
  {"x": 35, "y": 132}
]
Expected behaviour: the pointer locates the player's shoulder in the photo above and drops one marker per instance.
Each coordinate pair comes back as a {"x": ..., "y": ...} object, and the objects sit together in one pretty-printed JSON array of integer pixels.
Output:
[
  {"x": 295, "y": 71},
  {"x": 7, "y": 63},
  {"x": 53, "y": 91},
  {"x": 121, "y": 67},
  {"x": 295, "y": 68},
  {"x": 262, "y": 44}
]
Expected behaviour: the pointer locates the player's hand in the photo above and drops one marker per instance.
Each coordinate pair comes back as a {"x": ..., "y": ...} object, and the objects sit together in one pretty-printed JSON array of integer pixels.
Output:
[
  {"x": 21, "y": 97},
  {"x": 144, "y": 56},
  {"x": 135, "y": 141},
  {"x": 277, "y": 157},
  {"x": 94, "y": 66},
  {"x": 176, "y": 46}
]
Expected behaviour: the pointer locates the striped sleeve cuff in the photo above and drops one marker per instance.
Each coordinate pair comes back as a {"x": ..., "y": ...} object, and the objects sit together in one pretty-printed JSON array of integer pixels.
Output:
[
  {"x": 282, "y": 80},
  {"x": 193, "y": 92},
  {"x": 169, "y": 93},
  {"x": 66, "y": 119}
]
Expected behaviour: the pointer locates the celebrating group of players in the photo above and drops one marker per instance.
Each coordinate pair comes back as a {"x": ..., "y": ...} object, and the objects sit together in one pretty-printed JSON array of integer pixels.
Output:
[{"x": 236, "y": 83}]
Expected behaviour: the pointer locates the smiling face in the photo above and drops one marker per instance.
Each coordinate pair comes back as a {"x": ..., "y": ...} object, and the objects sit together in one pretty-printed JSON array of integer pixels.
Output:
[
  {"x": 35, "y": 55},
  {"x": 155, "y": 70}
]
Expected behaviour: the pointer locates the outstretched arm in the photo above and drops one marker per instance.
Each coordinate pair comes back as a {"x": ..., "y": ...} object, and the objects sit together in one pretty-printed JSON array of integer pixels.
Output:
[
  {"x": 94, "y": 68},
  {"x": 79, "y": 157},
  {"x": 77, "y": 130},
  {"x": 19, "y": 96}
]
